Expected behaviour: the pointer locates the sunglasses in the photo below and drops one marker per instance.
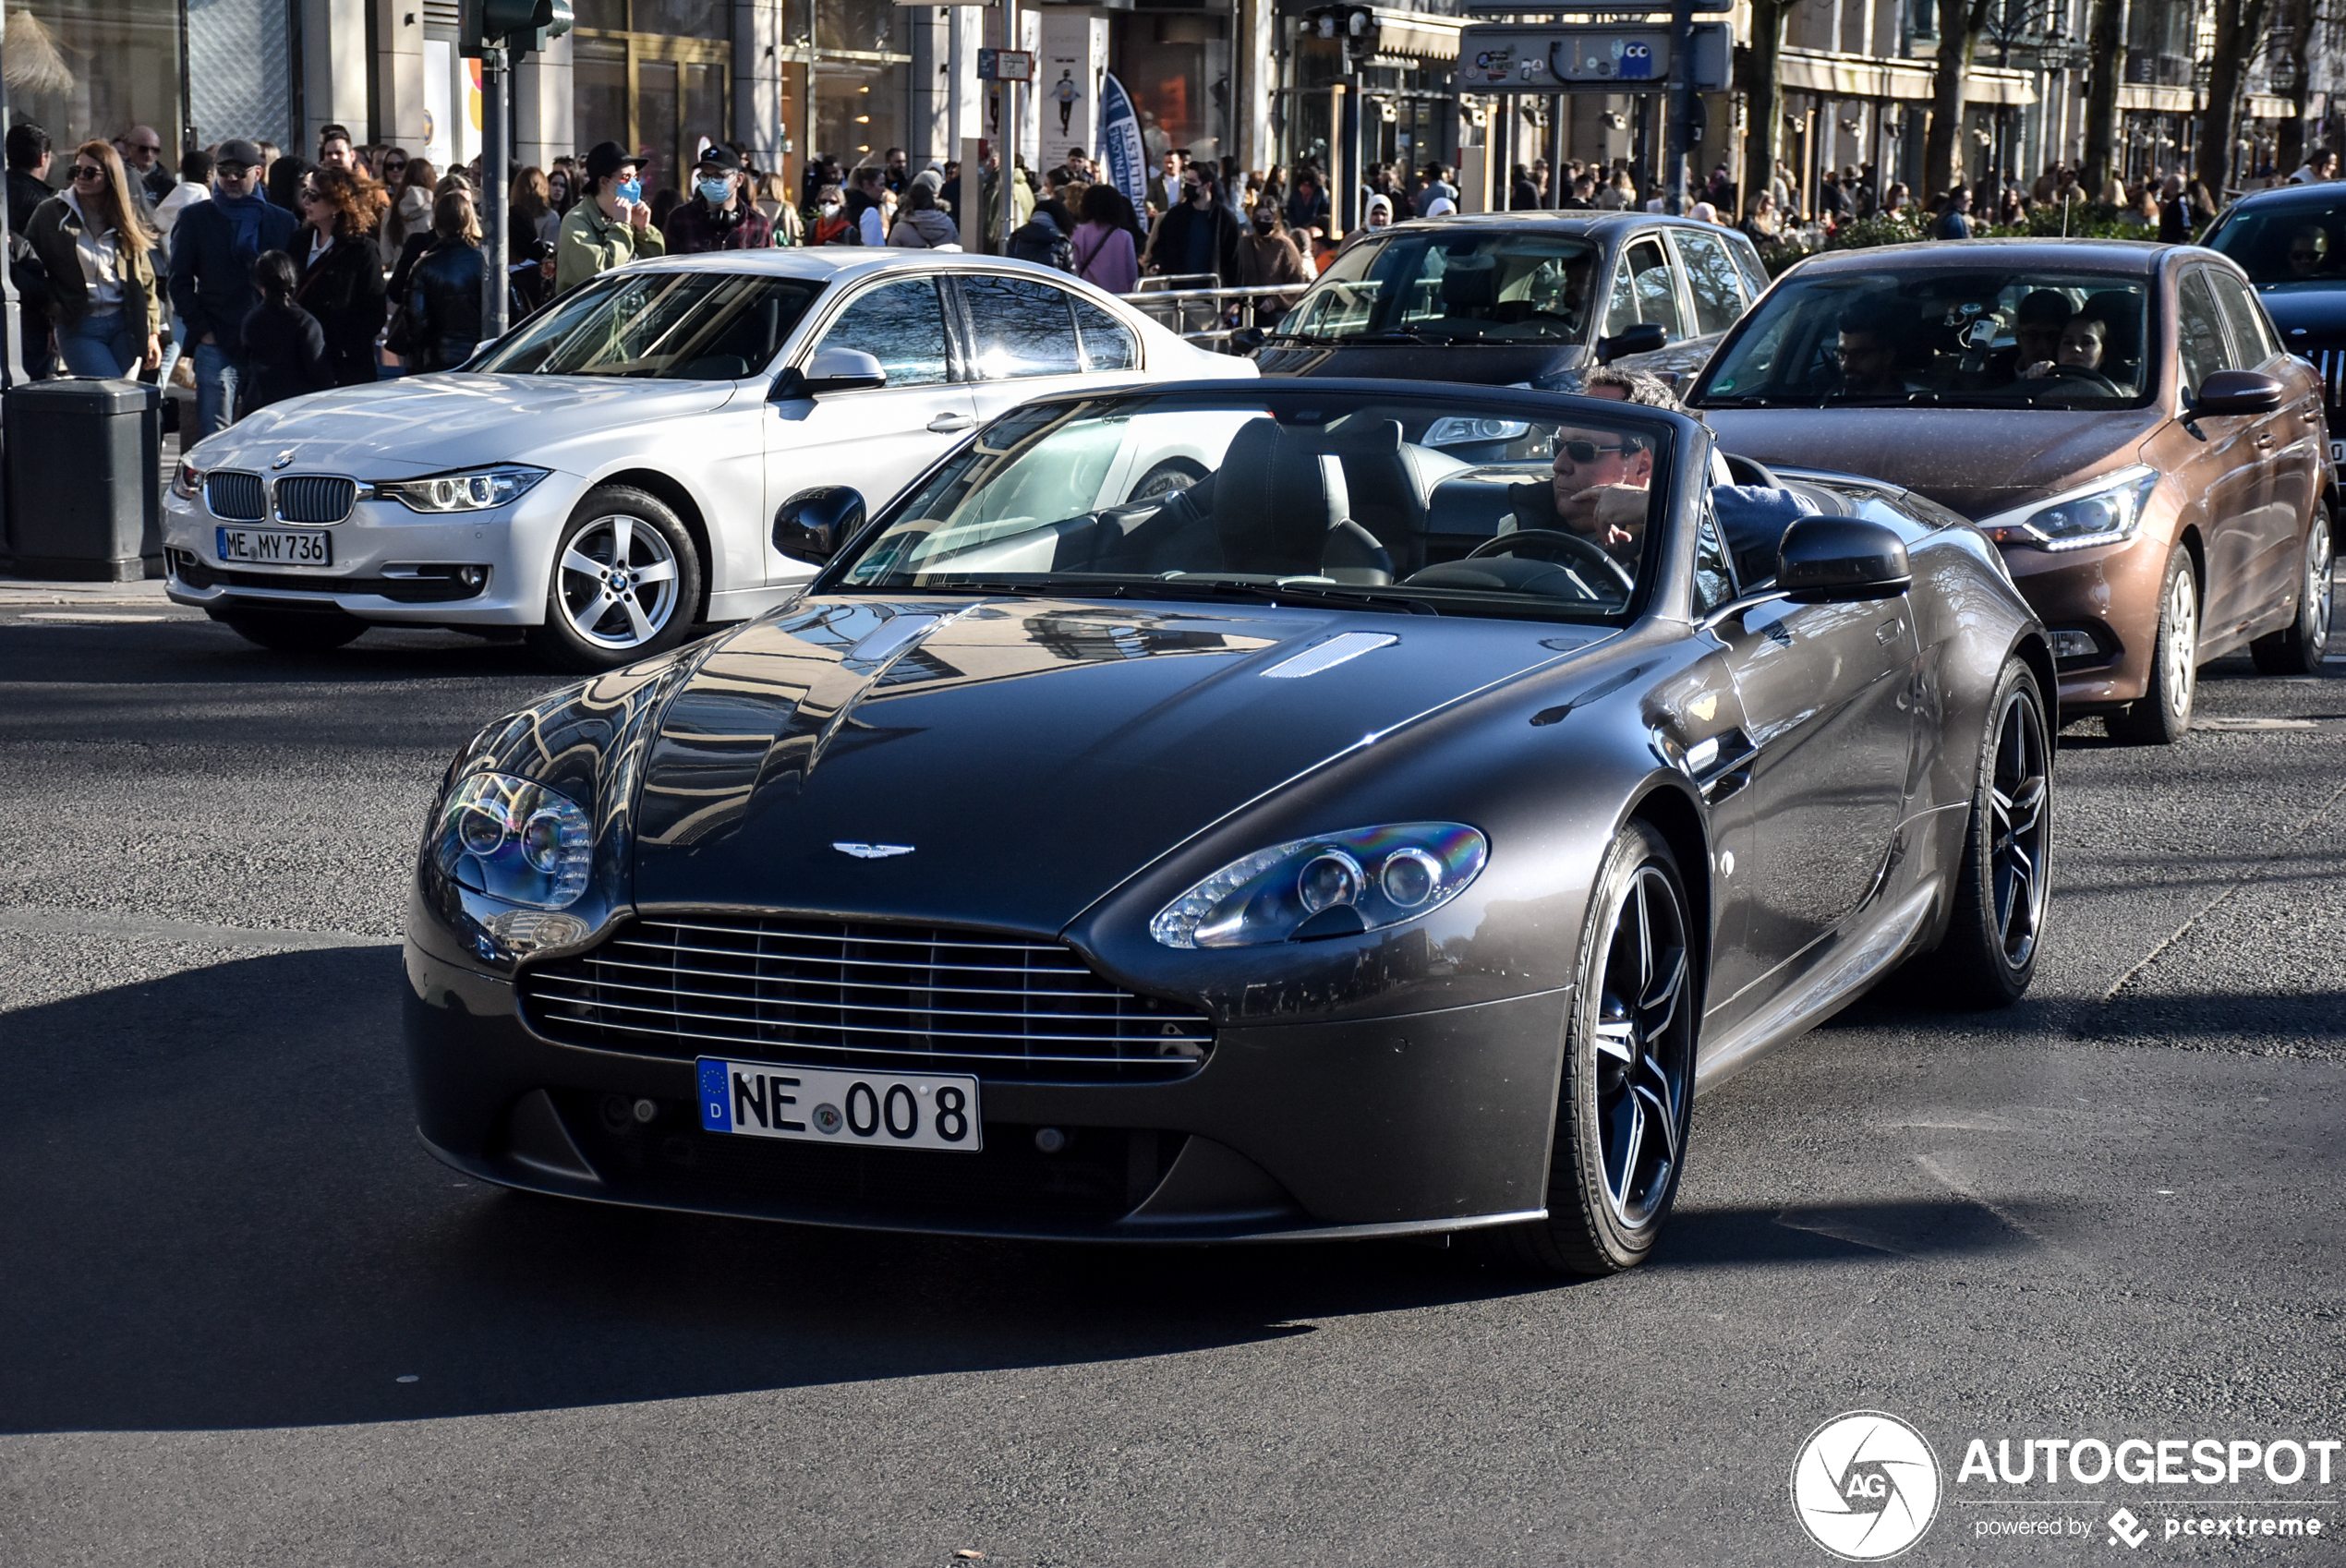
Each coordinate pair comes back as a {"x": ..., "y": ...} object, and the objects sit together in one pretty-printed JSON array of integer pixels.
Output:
[
  {"x": 88, "y": 172},
  {"x": 1586, "y": 452}
]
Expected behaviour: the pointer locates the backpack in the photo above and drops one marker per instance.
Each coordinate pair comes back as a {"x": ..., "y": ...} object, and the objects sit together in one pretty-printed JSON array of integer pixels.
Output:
[{"x": 1038, "y": 240}]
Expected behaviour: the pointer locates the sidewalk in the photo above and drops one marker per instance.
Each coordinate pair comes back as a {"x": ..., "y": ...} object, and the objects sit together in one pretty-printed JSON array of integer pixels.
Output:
[{"x": 17, "y": 592}]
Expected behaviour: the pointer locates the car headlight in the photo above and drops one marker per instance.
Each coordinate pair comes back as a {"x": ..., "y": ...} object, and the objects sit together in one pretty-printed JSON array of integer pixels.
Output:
[
  {"x": 1459, "y": 430},
  {"x": 514, "y": 840},
  {"x": 186, "y": 480},
  {"x": 2103, "y": 512},
  {"x": 478, "y": 489},
  {"x": 1335, "y": 885}
]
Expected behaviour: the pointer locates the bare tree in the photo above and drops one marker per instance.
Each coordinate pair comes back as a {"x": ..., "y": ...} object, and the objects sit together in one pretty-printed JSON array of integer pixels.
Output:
[
  {"x": 2239, "y": 26},
  {"x": 1763, "y": 98},
  {"x": 2289, "y": 148},
  {"x": 1961, "y": 23},
  {"x": 2106, "y": 41}
]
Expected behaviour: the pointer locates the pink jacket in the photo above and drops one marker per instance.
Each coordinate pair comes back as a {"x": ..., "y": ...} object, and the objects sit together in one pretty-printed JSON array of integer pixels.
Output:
[{"x": 1104, "y": 256}]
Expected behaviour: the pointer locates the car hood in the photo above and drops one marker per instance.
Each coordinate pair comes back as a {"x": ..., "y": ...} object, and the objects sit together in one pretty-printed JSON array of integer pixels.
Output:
[
  {"x": 2316, "y": 308},
  {"x": 1478, "y": 363},
  {"x": 431, "y": 424},
  {"x": 1006, "y": 763},
  {"x": 1979, "y": 462}
]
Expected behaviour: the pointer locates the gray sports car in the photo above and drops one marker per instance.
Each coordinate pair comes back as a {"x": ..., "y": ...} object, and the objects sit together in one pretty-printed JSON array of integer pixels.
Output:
[{"x": 1382, "y": 823}]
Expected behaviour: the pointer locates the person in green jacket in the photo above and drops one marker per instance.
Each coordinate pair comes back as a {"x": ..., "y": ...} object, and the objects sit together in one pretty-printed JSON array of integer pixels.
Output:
[{"x": 611, "y": 226}]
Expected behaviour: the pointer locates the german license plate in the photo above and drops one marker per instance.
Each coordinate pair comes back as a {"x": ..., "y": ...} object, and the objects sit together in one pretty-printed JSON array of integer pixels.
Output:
[
  {"x": 276, "y": 546},
  {"x": 876, "y": 1110}
]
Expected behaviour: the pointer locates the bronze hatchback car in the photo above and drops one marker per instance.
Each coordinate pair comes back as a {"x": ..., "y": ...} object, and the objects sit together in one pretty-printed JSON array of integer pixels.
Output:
[{"x": 2121, "y": 418}]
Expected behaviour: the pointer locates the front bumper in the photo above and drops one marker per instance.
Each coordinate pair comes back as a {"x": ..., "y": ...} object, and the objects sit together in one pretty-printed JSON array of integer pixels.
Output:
[
  {"x": 2109, "y": 594},
  {"x": 377, "y": 550},
  {"x": 1431, "y": 1122}
]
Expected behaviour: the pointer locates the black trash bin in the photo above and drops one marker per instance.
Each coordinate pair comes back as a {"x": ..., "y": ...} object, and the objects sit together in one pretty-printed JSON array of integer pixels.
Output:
[{"x": 85, "y": 483}]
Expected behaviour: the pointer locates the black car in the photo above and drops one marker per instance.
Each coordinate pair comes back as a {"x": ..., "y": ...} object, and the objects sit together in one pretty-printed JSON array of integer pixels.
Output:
[
  {"x": 2291, "y": 243},
  {"x": 1520, "y": 299},
  {"x": 1349, "y": 843}
]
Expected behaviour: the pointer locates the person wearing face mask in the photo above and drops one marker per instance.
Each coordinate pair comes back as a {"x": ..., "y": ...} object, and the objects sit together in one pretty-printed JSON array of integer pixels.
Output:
[
  {"x": 1198, "y": 236},
  {"x": 719, "y": 216},
  {"x": 610, "y": 226},
  {"x": 832, "y": 225},
  {"x": 1267, "y": 254}
]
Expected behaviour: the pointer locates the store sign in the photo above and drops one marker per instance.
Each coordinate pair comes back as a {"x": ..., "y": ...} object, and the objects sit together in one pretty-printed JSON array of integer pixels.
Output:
[
  {"x": 1611, "y": 58},
  {"x": 1005, "y": 65}
]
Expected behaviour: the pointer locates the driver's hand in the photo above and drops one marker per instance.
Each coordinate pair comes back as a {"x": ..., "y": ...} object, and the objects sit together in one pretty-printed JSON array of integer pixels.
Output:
[
  {"x": 2041, "y": 368},
  {"x": 1608, "y": 514}
]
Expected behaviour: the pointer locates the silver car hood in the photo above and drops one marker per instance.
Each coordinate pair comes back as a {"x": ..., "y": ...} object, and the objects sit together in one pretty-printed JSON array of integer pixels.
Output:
[{"x": 433, "y": 424}]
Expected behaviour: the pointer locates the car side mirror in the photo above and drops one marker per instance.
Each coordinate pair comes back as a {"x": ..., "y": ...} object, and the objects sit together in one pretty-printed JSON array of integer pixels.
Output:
[
  {"x": 813, "y": 525},
  {"x": 1835, "y": 559},
  {"x": 831, "y": 369},
  {"x": 2237, "y": 392},
  {"x": 1643, "y": 338},
  {"x": 1246, "y": 340}
]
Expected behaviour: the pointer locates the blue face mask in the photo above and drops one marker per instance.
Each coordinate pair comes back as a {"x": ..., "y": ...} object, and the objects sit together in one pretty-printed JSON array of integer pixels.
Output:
[
  {"x": 715, "y": 191},
  {"x": 629, "y": 191}
]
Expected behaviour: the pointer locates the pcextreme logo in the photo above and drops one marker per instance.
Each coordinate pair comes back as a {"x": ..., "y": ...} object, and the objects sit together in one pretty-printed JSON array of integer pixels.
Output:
[{"x": 1864, "y": 1486}]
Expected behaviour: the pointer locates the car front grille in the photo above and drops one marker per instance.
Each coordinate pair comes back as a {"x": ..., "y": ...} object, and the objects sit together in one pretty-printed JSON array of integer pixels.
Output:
[
  {"x": 315, "y": 499},
  {"x": 236, "y": 498},
  {"x": 2331, "y": 364},
  {"x": 862, "y": 993}
]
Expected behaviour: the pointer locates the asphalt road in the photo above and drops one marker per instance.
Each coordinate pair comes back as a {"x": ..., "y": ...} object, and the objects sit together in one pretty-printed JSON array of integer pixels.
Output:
[{"x": 244, "y": 1319}]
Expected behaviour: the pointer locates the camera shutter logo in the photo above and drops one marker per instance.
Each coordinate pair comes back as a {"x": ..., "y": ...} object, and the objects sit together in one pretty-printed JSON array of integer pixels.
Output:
[{"x": 1866, "y": 1486}]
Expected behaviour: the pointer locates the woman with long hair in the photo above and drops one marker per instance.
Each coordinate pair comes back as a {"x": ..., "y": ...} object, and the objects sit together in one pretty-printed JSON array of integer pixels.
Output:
[
  {"x": 773, "y": 200},
  {"x": 104, "y": 297},
  {"x": 1106, "y": 252},
  {"x": 531, "y": 215},
  {"x": 443, "y": 292},
  {"x": 410, "y": 210},
  {"x": 339, "y": 267}
]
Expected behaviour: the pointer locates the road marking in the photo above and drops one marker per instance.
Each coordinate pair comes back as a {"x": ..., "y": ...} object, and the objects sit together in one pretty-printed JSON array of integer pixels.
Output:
[
  {"x": 2242, "y": 880},
  {"x": 87, "y": 618},
  {"x": 42, "y": 920},
  {"x": 2218, "y": 723}
]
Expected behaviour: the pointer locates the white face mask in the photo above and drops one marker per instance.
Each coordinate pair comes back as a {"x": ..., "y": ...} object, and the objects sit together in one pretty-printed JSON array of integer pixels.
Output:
[{"x": 830, "y": 208}]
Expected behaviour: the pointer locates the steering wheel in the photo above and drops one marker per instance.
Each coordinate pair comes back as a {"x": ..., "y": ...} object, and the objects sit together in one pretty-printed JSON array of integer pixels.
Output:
[
  {"x": 1584, "y": 551},
  {"x": 2079, "y": 373}
]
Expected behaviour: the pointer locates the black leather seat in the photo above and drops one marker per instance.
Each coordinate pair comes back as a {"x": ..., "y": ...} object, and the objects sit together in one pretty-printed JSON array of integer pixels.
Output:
[{"x": 1282, "y": 508}]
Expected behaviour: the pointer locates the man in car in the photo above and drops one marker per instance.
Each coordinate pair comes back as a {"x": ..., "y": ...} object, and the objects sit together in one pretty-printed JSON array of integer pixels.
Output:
[
  {"x": 2037, "y": 328},
  {"x": 2309, "y": 252},
  {"x": 1867, "y": 351}
]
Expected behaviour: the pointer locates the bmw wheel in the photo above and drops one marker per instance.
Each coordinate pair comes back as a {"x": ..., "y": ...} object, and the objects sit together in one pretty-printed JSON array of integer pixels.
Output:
[
  {"x": 1988, "y": 955},
  {"x": 2299, "y": 648},
  {"x": 1627, "y": 1097},
  {"x": 2163, "y": 715},
  {"x": 626, "y": 583}
]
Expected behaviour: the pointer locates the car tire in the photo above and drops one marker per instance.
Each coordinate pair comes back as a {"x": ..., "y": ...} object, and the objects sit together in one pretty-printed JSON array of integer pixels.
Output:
[
  {"x": 2300, "y": 647},
  {"x": 294, "y": 631},
  {"x": 1625, "y": 1103},
  {"x": 2162, "y": 716},
  {"x": 1169, "y": 477},
  {"x": 601, "y": 610},
  {"x": 1996, "y": 930}
]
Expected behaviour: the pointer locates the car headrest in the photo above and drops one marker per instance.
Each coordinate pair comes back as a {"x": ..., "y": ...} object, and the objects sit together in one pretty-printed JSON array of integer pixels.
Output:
[
  {"x": 1471, "y": 283},
  {"x": 1274, "y": 499}
]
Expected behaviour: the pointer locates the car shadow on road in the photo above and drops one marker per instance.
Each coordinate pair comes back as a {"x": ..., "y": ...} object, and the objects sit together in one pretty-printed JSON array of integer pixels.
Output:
[{"x": 218, "y": 1216}]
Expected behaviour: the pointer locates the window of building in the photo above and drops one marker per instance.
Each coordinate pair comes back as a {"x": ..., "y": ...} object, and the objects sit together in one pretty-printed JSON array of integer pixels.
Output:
[{"x": 654, "y": 75}]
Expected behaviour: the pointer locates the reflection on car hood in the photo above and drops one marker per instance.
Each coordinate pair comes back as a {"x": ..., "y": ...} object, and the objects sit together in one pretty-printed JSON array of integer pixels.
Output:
[
  {"x": 431, "y": 424},
  {"x": 1979, "y": 462},
  {"x": 1033, "y": 754},
  {"x": 1478, "y": 363}
]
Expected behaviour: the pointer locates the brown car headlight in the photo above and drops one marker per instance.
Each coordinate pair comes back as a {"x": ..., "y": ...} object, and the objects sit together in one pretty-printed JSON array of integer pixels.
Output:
[{"x": 2104, "y": 513}]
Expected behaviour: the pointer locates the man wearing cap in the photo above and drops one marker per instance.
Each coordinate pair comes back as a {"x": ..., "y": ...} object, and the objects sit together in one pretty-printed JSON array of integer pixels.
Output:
[
  {"x": 214, "y": 246},
  {"x": 717, "y": 217},
  {"x": 612, "y": 227}
]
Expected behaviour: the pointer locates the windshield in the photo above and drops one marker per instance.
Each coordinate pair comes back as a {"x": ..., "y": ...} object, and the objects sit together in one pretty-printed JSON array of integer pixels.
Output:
[
  {"x": 1466, "y": 506},
  {"x": 2297, "y": 242},
  {"x": 666, "y": 326},
  {"x": 1968, "y": 337},
  {"x": 1448, "y": 286}
]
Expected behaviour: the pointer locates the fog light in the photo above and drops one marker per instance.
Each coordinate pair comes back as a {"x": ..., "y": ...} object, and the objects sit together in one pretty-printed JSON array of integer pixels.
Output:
[{"x": 2074, "y": 645}]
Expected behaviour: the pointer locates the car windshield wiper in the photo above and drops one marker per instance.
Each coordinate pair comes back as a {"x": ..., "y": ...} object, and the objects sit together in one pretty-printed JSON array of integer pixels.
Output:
[{"x": 1315, "y": 597}]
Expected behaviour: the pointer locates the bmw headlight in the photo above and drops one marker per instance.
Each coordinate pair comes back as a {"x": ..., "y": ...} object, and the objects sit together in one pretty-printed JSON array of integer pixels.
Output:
[
  {"x": 2103, "y": 512},
  {"x": 514, "y": 840},
  {"x": 186, "y": 480},
  {"x": 479, "y": 490},
  {"x": 1458, "y": 429},
  {"x": 1335, "y": 885}
]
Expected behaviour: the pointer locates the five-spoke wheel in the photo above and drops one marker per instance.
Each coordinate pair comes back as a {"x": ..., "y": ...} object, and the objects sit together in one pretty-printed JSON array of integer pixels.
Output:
[{"x": 625, "y": 584}]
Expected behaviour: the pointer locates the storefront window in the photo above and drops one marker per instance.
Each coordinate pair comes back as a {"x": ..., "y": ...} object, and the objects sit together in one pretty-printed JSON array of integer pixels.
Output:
[
  {"x": 1177, "y": 67},
  {"x": 859, "y": 111},
  {"x": 653, "y": 76},
  {"x": 240, "y": 72},
  {"x": 94, "y": 68}
]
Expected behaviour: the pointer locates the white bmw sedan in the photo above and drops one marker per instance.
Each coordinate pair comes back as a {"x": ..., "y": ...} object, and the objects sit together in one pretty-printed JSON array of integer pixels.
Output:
[{"x": 602, "y": 478}]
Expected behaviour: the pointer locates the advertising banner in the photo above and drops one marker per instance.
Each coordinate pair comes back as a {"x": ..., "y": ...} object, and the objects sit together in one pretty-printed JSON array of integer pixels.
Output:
[{"x": 1120, "y": 148}]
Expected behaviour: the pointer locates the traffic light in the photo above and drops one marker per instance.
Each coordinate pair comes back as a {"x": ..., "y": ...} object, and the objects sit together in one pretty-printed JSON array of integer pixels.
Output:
[{"x": 516, "y": 25}]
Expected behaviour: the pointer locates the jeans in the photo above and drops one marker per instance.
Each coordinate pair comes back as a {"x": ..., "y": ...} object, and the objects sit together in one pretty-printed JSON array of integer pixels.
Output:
[
  {"x": 216, "y": 378},
  {"x": 100, "y": 345}
]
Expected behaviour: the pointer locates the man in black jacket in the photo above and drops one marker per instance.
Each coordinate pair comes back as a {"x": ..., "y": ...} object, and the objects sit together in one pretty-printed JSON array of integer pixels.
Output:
[
  {"x": 28, "y": 188},
  {"x": 1200, "y": 235},
  {"x": 212, "y": 249}
]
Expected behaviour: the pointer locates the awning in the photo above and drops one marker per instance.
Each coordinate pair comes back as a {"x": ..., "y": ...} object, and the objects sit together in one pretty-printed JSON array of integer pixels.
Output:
[
  {"x": 1416, "y": 33},
  {"x": 2144, "y": 100},
  {"x": 2266, "y": 106},
  {"x": 1866, "y": 76}
]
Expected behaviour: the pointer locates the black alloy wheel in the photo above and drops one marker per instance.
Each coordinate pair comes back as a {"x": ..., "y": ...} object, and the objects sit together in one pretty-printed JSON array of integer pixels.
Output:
[
  {"x": 1997, "y": 926},
  {"x": 2300, "y": 647},
  {"x": 293, "y": 631},
  {"x": 1627, "y": 1097}
]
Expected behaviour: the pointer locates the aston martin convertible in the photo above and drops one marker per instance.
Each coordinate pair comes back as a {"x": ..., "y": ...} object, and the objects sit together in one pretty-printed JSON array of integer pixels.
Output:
[{"x": 1384, "y": 826}]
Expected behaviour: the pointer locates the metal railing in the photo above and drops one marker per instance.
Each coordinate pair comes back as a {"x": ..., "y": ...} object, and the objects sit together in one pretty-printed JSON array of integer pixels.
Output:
[{"x": 1192, "y": 305}]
